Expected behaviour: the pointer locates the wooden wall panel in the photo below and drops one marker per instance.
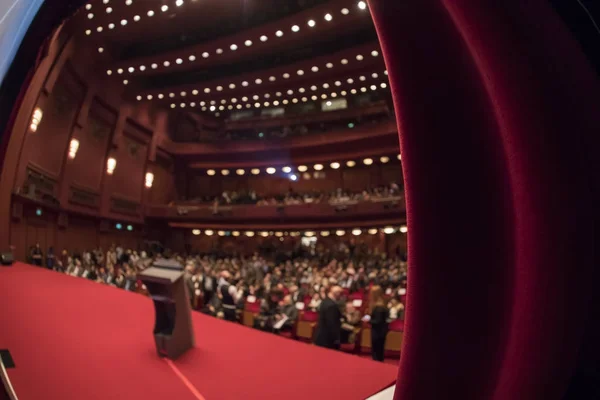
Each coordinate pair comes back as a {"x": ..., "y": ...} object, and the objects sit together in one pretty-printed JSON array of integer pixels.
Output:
[{"x": 131, "y": 155}]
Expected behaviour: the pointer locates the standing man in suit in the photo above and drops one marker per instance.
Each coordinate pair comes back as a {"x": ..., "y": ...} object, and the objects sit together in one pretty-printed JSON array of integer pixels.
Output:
[{"x": 330, "y": 325}]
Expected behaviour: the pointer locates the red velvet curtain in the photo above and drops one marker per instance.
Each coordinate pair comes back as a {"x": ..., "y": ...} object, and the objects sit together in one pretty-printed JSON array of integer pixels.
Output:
[{"x": 498, "y": 118}]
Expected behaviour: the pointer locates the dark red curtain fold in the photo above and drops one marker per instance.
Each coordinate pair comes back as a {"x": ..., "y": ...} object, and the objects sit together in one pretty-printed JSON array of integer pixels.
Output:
[{"x": 496, "y": 110}]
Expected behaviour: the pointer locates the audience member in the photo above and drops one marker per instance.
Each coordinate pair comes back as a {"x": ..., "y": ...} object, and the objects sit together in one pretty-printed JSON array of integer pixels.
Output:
[
  {"x": 329, "y": 325},
  {"x": 379, "y": 315}
]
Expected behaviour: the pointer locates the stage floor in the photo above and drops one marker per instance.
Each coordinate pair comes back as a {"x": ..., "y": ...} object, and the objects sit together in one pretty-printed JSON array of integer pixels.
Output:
[{"x": 75, "y": 339}]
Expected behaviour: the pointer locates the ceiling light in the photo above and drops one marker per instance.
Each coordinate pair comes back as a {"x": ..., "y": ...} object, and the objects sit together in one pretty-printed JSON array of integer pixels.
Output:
[
  {"x": 100, "y": 49},
  {"x": 154, "y": 65},
  {"x": 295, "y": 28},
  {"x": 285, "y": 101},
  {"x": 286, "y": 170},
  {"x": 136, "y": 18},
  {"x": 353, "y": 91},
  {"x": 120, "y": 71},
  {"x": 139, "y": 98},
  {"x": 334, "y": 94},
  {"x": 219, "y": 88},
  {"x": 314, "y": 98},
  {"x": 325, "y": 233},
  {"x": 182, "y": 105},
  {"x": 385, "y": 72},
  {"x": 318, "y": 167},
  {"x": 171, "y": 95},
  {"x": 350, "y": 163},
  {"x": 329, "y": 103},
  {"x": 255, "y": 171},
  {"x": 192, "y": 104},
  {"x": 271, "y": 170},
  {"x": 311, "y": 23},
  {"x": 294, "y": 101},
  {"x": 383, "y": 85},
  {"x": 88, "y": 6},
  {"x": 240, "y": 172},
  {"x": 313, "y": 87},
  {"x": 99, "y": 29},
  {"x": 257, "y": 105},
  {"x": 258, "y": 81},
  {"x": 384, "y": 159},
  {"x": 131, "y": 69},
  {"x": 286, "y": 75},
  {"x": 161, "y": 96},
  {"x": 142, "y": 67},
  {"x": 109, "y": 72},
  {"x": 399, "y": 157},
  {"x": 111, "y": 26},
  {"x": 212, "y": 108},
  {"x": 108, "y": 10},
  {"x": 328, "y": 17},
  {"x": 290, "y": 92},
  {"x": 233, "y": 47},
  {"x": 302, "y": 168},
  {"x": 368, "y": 161},
  {"x": 179, "y": 61},
  {"x": 127, "y": 2},
  {"x": 340, "y": 232},
  {"x": 235, "y": 233},
  {"x": 276, "y": 103},
  {"x": 149, "y": 97},
  {"x": 300, "y": 72},
  {"x": 123, "y": 22},
  {"x": 278, "y": 94},
  {"x": 248, "y": 43},
  {"x": 374, "y": 75},
  {"x": 250, "y": 234},
  {"x": 343, "y": 92},
  {"x": 359, "y": 57},
  {"x": 326, "y": 86},
  {"x": 183, "y": 94},
  {"x": 363, "y": 89},
  {"x": 245, "y": 83},
  {"x": 345, "y": 11},
  {"x": 315, "y": 69},
  {"x": 125, "y": 82},
  {"x": 166, "y": 63},
  {"x": 196, "y": 232},
  {"x": 403, "y": 229},
  {"x": 151, "y": 13},
  {"x": 192, "y": 58},
  {"x": 388, "y": 230},
  {"x": 272, "y": 79},
  {"x": 362, "y": 5},
  {"x": 179, "y": 3},
  {"x": 344, "y": 61},
  {"x": 88, "y": 32},
  {"x": 329, "y": 65},
  {"x": 335, "y": 165},
  {"x": 244, "y": 98},
  {"x": 373, "y": 87},
  {"x": 164, "y": 8},
  {"x": 225, "y": 172},
  {"x": 90, "y": 15},
  {"x": 356, "y": 232},
  {"x": 374, "y": 53},
  {"x": 362, "y": 78},
  {"x": 323, "y": 96},
  {"x": 279, "y": 33},
  {"x": 264, "y": 38},
  {"x": 221, "y": 108},
  {"x": 219, "y": 51}
]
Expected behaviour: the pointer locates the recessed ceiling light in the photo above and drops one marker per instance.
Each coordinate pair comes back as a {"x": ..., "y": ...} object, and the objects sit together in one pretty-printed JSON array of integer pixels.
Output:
[
  {"x": 244, "y": 98},
  {"x": 344, "y": 61},
  {"x": 323, "y": 96},
  {"x": 258, "y": 81},
  {"x": 234, "y": 100},
  {"x": 108, "y": 10},
  {"x": 151, "y": 13},
  {"x": 300, "y": 72},
  {"x": 373, "y": 87},
  {"x": 120, "y": 71},
  {"x": 128, "y": 2},
  {"x": 329, "y": 65},
  {"x": 206, "y": 90},
  {"x": 239, "y": 106},
  {"x": 363, "y": 89},
  {"x": 267, "y": 104},
  {"x": 311, "y": 23},
  {"x": 244, "y": 83},
  {"x": 326, "y": 86},
  {"x": 315, "y": 69},
  {"x": 345, "y": 11},
  {"x": 276, "y": 103},
  {"x": 142, "y": 67},
  {"x": 314, "y": 98},
  {"x": 233, "y": 47},
  {"x": 205, "y": 54},
  {"x": 179, "y": 3},
  {"x": 183, "y": 94},
  {"x": 154, "y": 66},
  {"x": 385, "y": 72},
  {"x": 286, "y": 75},
  {"x": 272, "y": 78},
  {"x": 164, "y": 8},
  {"x": 279, "y": 33},
  {"x": 131, "y": 69},
  {"x": 328, "y": 17},
  {"x": 149, "y": 97},
  {"x": 285, "y": 101},
  {"x": 136, "y": 18},
  {"x": 255, "y": 97},
  {"x": 383, "y": 85},
  {"x": 100, "y": 49},
  {"x": 264, "y": 38},
  {"x": 374, "y": 75},
  {"x": 295, "y": 28},
  {"x": 123, "y": 22},
  {"x": 139, "y": 98},
  {"x": 232, "y": 86},
  {"x": 338, "y": 83},
  {"x": 257, "y": 105},
  {"x": 105, "y": 1},
  {"x": 99, "y": 29},
  {"x": 313, "y": 88},
  {"x": 182, "y": 105},
  {"x": 192, "y": 58},
  {"x": 343, "y": 93},
  {"x": 161, "y": 96},
  {"x": 90, "y": 15},
  {"x": 248, "y": 43},
  {"x": 290, "y": 92},
  {"x": 179, "y": 61},
  {"x": 219, "y": 88},
  {"x": 125, "y": 82},
  {"x": 278, "y": 94},
  {"x": 359, "y": 57},
  {"x": 111, "y": 26},
  {"x": 88, "y": 6},
  {"x": 353, "y": 91},
  {"x": 374, "y": 53},
  {"x": 219, "y": 51},
  {"x": 109, "y": 72},
  {"x": 166, "y": 63},
  {"x": 301, "y": 90}
]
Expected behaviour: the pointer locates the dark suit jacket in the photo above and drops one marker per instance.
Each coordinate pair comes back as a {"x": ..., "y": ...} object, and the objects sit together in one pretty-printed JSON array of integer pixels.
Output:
[{"x": 330, "y": 326}]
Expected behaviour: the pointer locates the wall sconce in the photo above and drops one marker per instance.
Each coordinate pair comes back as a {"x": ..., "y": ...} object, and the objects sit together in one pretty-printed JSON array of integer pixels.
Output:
[
  {"x": 36, "y": 118},
  {"x": 111, "y": 164},
  {"x": 149, "y": 179},
  {"x": 73, "y": 147}
]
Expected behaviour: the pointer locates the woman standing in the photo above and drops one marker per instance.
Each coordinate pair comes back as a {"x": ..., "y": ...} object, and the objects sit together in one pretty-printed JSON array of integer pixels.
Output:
[{"x": 379, "y": 325}]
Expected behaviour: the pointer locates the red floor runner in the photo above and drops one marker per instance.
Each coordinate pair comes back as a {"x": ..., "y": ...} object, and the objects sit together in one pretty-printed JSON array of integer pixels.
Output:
[{"x": 75, "y": 339}]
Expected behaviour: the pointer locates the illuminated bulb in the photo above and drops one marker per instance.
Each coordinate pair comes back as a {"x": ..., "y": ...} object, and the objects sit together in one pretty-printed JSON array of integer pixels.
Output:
[
  {"x": 264, "y": 38},
  {"x": 244, "y": 83},
  {"x": 345, "y": 11},
  {"x": 111, "y": 26},
  {"x": 219, "y": 88},
  {"x": 399, "y": 157},
  {"x": 221, "y": 233},
  {"x": 131, "y": 69},
  {"x": 340, "y": 232},
  {"x": 219, "y": 51},
  {"x": 314, "y": 98},
  {"x": 127, "y": 2},
  {"x": 272, "y": 79},
  {"x": 356, "y": 232},
  {"x": 368, "y": 161},
  {"x": 139, "y": 98},
  {"x": 326, "y": 86},
  {"x": 90, "y": 15},
  {"x": 300, "y": 72},
  {"x": 325, "y": 233},
  {"x": 136, "y": 18},
  {"x": 211, "y": 172},
  {"x": 248, "y": 43},
  {"x": 309, "y": 234},
  {"x": 179, "y": 61},
  {"x": 311, "y": 23},
  {"x": 328, "y": 104},
  {"x": 362, "y": 5},
  {"x": 315, "y": 69},
  {"x": 88, "y": 32},
  {"x": 166, "y": 63},
  {"x": 206, "y": 90},
  {"x": 109, "y": 72},
  {"x": 99, "y": 29},
  {"x": 111, "y": 164},
  {"x": 374, "y": 75},
  {"x": 88, "y": 6},
  {"x": 171, "y": 95},
  {"x": 344, "y": 61},
  {"x": 384, "y": 160},
  {"x": 255, "y": 171},
  {"x": 149, "y": 179},
  {"x": 290, "y": 92},
  {"x": 338, "y": 83},
  {"x": 373, "y": 87},
  {"x": 350, "y": 164},
  {"x": 279, "y": 33},
  {"x": 164, "y": 8},
  {"x": 374, "y": 53},
  {"x": 196, "y": 232},
  {"x": 209, "y": 232},
  {"x": 258, "y": 81},
  {"x": 329, "y": 65},
  {"x": 161, "y": 96},
  {"x": 359, "y": 57},
  {"x": 318, "y": 167},
  {"x": 257, "y": 105},
  {"x": 403, "y": 229},
  {"x": 149, "y": 97},
  {"x": 286, "y": 75},
  {"x": 235, "y": 233},
  {"x": 179, "y": 3},
  {"x": 313, "y": 88},
  {"x": 240, "y": 172},
  {"x": 123, "y": 22},
  {"x": 250, "y": 234},
  {"x": 183, "y": 94},
  {"x": 343, "y": 93},
  {"x": 151, "y": 13},
  {"x": 295, "y": 28},
  {"x": 233, "y": 47},
  {"x": 182, "y": 105},
  {"x": 388, "y": 230},
  {"x": 232, "y": 86},
  {"x": 154, "y": 66},
  {"x": 225, "y": 172},
  {"x": 328, "y": 17},
  {"x": 173, "y": 105},
  {"x": 383, "y": 85},
  {"x": 73, "y": 147},
  {"x": 142, "y": 67},
  {"x": 302, "y": 168}
]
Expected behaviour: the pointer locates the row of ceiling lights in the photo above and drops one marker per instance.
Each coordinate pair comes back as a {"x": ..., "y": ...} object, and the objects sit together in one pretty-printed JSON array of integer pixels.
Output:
[
  {"x": 390, "y": 230},
  {"x": 302, "y": 168},
  {"x": 290, "y": 92},
  {"x": 244, "y": 83},
  {"x": 192, "y": 57}
]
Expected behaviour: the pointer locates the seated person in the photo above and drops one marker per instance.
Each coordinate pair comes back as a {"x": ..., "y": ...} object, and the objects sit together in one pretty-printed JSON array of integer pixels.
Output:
[
  {"x": 286, "y": 309},
  {"x": 396, "y": 309},
  {"x": 268, "y": 309},
  {"x": 350, "y": 320},
  {"x": 213, "y": 307}
]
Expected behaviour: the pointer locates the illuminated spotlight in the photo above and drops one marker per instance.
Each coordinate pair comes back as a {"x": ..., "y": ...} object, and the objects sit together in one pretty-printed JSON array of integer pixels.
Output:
[
  {"x": 300, "y": 72},
  {"x": 294, "y": 177},
  {"x": 340, "y": 232},
  {"x": 345, "y": 11},
  {"x": 279, "y": 33},
  {"x": 149, "y": 97},
  {"x": 374, "y": 53},
  {"x": 109, "y": 72},
  {"x": 328, "y": 17},
  {"x": 88, "y": 6},
  {"x": 221, "y": 233},
  {"x": 211, "y": 172},
  {"x": 344, "y": 61},
  {"x": 368, "y": 161},
  {"x": 286, "y": 76},
  {"x": 271, "y": 170},
  {"x": 356, "y": 232},
  {"x": 154, "y": 66},
  {"x": 399, "y": 157},
  {"x": 350, "y": 163},
  {"x": 179, "y": 61},
  {"x": 136, "y": 18},
  {"x": 111, "y": 26},
  {"x": 139, "y": 98},
  {"x": 383, "y": 85},
  {"x": 225, "y": 172},
  {"x": 125, "y": 82},
  {"x": 255, "y": 171},
  {"x": 295, "y": 28},
  {"x": 311, "y": 23},
  {"x": 286, "y": 170},
  {"x": 233, "y": 47},
  {"x": 302, "y": 168},
  {"x": 90, "y": 15},
  {"x": 164, "y": 8},
  {"x": 373, "y": 87},
  {"x": 123, "y": 22},
  {"x": 272, "y": 79},
  {"x": 179, "y": 3},
  {"x": 389, "y": 230},
  {"x": 219, "y": 51},
  {"x": 88, "y": 32},
  {"x": 329, "y": 65},
  {"x": 99, "y": 29},
  {"x": 196, "y": 232},
  {"x": 325, "y": 233},
  {"x": 173, "y": 105},
  {"x": 362, "y": 5},
  {"x": 384, "y": 159},
  {"x": 403, "y": 229},
  {"x": 279, "y": 234},
  {"x": 359, "y": 57},
  {"x": 264, "y": 234},
  {"x": 250, "y": 234},
  {"x": 209, "y": 232},
  {"x": 240, "y": 172},
  {"x": 235, "y": 233},
  {"x": 335, "y": 165},
  {"x": 264, "y": 38},
  {"x": 150, "y": 13},
  {"x": 373, "y": 231},
  {"x": 309, "y": 234},
  {"x": 248, "y": 43},
  {"x": 315, "y": 69},
  {"x": 329, "y": 103},
  {"x": 166, "y": 63}
]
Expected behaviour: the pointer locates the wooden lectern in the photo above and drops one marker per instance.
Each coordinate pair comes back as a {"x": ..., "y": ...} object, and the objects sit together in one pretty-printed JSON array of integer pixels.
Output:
[{"x": 173, "y": 330}]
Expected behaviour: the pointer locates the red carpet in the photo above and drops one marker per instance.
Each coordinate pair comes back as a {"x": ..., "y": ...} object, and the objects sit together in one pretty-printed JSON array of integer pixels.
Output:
[{"x": 75, "y": 339}]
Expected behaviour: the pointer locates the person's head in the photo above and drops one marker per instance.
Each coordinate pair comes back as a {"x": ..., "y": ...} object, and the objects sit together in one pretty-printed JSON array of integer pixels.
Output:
[
  {"x": 335, "y": 292},
  {"x": 375, "y": 297},
  {"x": 287, "y": 300}
]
